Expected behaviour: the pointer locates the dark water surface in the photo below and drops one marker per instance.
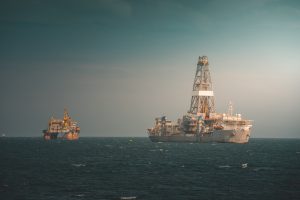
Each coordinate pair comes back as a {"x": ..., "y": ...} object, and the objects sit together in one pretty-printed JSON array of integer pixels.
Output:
[{"x": 116, "y": 168}]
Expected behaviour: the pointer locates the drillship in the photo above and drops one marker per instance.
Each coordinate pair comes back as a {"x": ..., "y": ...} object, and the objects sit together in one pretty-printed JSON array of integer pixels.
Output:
[
  {"x": 202, "y": 123},
  {"x": 65, "y": 128}
]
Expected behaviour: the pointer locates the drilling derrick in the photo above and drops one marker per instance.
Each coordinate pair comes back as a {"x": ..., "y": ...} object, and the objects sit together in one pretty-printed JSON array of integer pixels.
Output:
[{"x": 202, "y": 102}]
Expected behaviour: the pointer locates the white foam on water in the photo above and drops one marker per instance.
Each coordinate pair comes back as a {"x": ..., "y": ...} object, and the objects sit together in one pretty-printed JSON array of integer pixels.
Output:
[
  {"x": 133, "y": 197},
  {"x": 244, "y": 165},
  {"x": 262, "y": 168},
  {"x": 78, "y": 165},
  {"x": 224, "y": 166}
]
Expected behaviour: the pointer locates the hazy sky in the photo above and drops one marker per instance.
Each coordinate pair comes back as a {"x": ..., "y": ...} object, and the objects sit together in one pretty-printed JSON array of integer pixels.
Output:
[{"x": 118, "y": 64}]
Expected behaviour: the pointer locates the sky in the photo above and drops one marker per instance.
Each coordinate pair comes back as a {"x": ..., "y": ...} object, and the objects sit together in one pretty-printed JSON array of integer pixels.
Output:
[{"x": 118, "y": 64}]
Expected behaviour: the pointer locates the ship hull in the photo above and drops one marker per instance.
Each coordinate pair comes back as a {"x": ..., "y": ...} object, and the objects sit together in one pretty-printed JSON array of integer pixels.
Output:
[
  {"x": 60, "y": 135},
  {"x": 71, "y": 136},
  {"x": 50, "y": 136},
  {"x": 223, "y": 136}
]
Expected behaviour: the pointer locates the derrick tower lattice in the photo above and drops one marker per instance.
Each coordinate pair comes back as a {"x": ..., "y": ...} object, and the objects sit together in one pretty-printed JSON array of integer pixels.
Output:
[{"x": 203, "y": 96}]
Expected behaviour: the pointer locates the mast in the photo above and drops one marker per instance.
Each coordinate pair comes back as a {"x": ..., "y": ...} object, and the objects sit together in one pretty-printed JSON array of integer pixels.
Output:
[{"x": 202, "y": 101}]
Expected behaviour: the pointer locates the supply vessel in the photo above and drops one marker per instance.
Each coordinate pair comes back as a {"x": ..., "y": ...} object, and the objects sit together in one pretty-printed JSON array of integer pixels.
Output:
[
  {"x": 202, "y": 123},
  {"x": 65, "y": 128}
]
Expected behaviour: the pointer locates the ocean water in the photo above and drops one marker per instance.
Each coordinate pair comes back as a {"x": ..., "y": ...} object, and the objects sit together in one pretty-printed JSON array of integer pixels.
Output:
[{"x": 135, "y": 168}]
